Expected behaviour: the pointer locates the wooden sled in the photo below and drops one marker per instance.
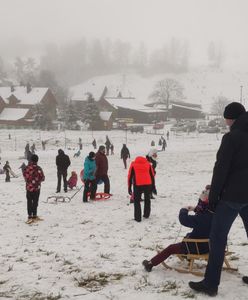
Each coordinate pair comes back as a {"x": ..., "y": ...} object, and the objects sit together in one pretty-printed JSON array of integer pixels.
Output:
[
  {"x": 101, "y": 196},
  {"x": 190, "y": 258},
  {"x": 58, "y": 198},
  {"x": 61, "y": 198}
]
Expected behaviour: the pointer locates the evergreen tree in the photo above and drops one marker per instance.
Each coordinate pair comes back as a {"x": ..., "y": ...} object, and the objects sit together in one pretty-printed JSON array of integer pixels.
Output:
[
  {"x": 71, "y": 116},
  {"x": 91, "y": 114},
  {"x": 42, "y": 118}
]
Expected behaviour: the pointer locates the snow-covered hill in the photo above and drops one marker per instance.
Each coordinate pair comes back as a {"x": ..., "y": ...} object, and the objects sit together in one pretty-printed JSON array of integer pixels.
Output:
[
  {"x": 201, "y": 86},
  {"x": 94, "y": 251}
]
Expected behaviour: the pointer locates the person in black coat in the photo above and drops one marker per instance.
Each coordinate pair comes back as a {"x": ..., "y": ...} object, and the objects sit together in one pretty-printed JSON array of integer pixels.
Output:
[
  {"x": 201, "y": 224},
  {"x": 228, "y": 194},
  {"x": 125, "y": 154},
  {"x": 62, "y": 162}
]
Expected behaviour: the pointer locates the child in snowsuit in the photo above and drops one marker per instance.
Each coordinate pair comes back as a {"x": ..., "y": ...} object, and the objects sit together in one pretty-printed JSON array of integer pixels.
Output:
[
  {"x": 72, "y": 182},
  {"x": 141, "y": 177},
  {"x": 201, "y": 224},
  {"x": 33, "y": 175},
  {"x": 89, "y": 177}
]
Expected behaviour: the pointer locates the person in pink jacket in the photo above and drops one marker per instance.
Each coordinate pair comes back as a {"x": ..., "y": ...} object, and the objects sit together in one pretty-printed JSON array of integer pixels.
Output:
[{"x": 72, "y": 182}]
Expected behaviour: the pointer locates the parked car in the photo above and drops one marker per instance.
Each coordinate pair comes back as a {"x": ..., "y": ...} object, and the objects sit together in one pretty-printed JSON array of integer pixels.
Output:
[
  {"x": 213, "y": 129},
  {"x": 158, "y": 126},
  {"x": 136, "y": 129}
]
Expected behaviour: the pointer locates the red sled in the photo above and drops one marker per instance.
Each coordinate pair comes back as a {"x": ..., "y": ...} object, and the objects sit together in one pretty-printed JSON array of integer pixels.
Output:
[{"x": 101, "y": 196}]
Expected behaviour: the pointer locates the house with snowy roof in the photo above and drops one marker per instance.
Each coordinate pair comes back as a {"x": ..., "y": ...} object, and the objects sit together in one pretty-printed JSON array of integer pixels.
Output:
[
  {"x": 180, "y": 109},
  {"x": 116, "y": 98},
  {"x": 17, "y": 104}
]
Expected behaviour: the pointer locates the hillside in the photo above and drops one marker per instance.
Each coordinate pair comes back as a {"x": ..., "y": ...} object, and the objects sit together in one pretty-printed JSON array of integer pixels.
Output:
[{"x": 200, "y": 86}]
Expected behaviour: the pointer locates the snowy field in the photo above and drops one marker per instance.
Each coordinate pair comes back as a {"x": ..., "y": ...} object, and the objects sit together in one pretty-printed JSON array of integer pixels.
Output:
[{"x": 95, "y": 250}]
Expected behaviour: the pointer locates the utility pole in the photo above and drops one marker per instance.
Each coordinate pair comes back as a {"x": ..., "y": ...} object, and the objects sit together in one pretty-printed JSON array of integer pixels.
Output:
[{"x": 241, "y": 96}]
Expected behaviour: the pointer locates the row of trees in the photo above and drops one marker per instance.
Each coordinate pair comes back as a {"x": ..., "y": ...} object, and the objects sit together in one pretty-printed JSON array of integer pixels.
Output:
[{"x": 72, "y": 63}]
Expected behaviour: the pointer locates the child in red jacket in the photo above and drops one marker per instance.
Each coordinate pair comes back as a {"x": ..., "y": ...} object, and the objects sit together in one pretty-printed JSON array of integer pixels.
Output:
[{"x": 72, "y": 182}]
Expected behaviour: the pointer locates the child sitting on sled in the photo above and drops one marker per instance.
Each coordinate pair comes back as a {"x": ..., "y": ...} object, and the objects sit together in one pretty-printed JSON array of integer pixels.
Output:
[
  {"x": 201, "y": 224},
  {"x": 72, "y": 182}
]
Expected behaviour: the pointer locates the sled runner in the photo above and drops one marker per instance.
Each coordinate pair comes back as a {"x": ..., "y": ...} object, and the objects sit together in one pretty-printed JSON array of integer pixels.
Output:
[
  {"x": 190, "y": 258},
  {"x": 61, "y": 198}
]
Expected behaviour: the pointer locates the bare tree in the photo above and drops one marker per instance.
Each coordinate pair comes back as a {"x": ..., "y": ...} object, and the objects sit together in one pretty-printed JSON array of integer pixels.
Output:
[
  {"x": 219, "y": 105},
  {"x": 165, "y": 90}
]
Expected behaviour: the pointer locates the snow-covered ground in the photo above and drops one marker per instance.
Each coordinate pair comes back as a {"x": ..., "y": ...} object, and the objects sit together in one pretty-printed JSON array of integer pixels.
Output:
[{"x": 94, "y": 250}]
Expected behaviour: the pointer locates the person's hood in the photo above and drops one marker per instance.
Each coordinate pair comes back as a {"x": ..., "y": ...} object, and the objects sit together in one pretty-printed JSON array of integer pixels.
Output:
[
  {"x": 241, "y": 123},
  {"x": 61, "y": 152},
  {"x": 152, "y": 152},
  {"x": 140, "y": 160}
]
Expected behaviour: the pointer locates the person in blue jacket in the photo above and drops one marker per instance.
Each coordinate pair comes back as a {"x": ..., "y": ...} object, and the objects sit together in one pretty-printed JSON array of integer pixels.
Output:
[
  {"x": 89, "y": 178},
  {"x": 201, "y": 224}
]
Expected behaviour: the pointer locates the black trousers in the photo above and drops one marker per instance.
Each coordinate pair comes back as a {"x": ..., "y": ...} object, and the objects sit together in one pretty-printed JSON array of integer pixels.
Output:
[
  {"x": 32, "y": 202},
  {"x": 105, "y": 179},
  {"x": 138, "y": 190},
  {"x": 61, "y": 174},
  {"x": 89, "y": 186},
  {"x": 125, "y": 162}
]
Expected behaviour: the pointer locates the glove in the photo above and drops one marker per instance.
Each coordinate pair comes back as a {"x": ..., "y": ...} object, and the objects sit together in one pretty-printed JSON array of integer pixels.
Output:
[{"x": 130, "y": 191}]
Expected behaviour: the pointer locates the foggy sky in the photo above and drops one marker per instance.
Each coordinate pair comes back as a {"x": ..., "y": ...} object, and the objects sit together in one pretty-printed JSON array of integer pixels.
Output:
[{"x": 36, "y": 22}]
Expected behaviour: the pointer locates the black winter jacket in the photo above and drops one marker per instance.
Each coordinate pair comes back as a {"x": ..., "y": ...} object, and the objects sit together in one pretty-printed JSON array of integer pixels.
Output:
[
  {"x": 201, "y": 224},
  {"x": 62, "y": 161},
  {"x": 125, "y": 152},
  {"x": 230, "y": 174}
]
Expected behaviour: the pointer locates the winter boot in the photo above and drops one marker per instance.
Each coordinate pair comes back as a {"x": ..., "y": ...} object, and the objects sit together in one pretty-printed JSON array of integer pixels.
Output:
[
  {"x": 201, "y": 287},
  {"x": 148, "y": 265}
]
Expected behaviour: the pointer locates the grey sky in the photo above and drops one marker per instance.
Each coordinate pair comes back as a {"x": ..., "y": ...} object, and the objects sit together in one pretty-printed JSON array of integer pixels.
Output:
[{"x": 151, "y": 21}]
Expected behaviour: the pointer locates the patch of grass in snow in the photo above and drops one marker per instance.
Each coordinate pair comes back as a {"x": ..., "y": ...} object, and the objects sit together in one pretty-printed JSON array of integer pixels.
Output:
[
  {"x": 243, "y": 244},
  {"x": 233, "y": 257},
  {"x": 95, "y": 282},
  {"x": 10, "y": 268},
  {"x": 143, "y": 282},
  {"x": 67, "y": 262},
  {"x": 169, "y": 286},
  {"x": 106, "y": 255},
  {"x": 85, "y": 222},
  {"x": 40, "y": 296},
  {"x": 188, "y": 294}
]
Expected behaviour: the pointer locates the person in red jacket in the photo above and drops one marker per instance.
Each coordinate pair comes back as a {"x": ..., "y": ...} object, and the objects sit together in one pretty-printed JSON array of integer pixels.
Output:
[
  {"x": 141, "y": 177},
  {"x": 33, "y": 175},
  {"x": 72, "y": 181},
  {"x": 102, "y": 168}
]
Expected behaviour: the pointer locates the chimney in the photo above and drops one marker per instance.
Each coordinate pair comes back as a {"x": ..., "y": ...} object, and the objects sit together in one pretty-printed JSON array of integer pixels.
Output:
[
  {"x": 12, "y": 88},
  {"x": 29, "y": 88}
]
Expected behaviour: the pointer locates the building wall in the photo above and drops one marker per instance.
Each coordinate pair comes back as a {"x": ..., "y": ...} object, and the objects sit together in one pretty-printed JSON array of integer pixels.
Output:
[
  {"x": 183, "y": 113},
  {"x": 48, "y": 100}
]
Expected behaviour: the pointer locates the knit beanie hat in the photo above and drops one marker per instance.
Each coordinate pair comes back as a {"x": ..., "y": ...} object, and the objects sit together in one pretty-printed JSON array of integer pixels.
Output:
[
  {"x": 34, "y": 158},
  {"x": 92, "y": 155},
  {"x": 233, "y": 110},
  {"x": 101, "y": 148}
]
